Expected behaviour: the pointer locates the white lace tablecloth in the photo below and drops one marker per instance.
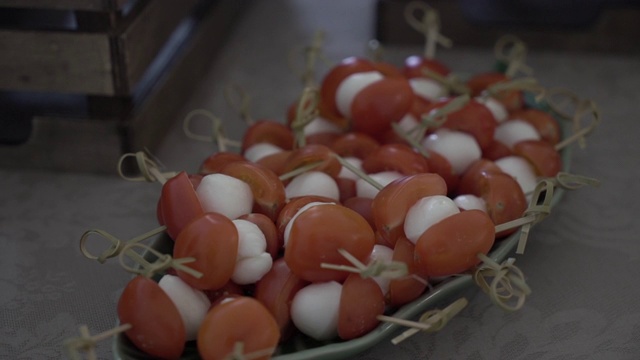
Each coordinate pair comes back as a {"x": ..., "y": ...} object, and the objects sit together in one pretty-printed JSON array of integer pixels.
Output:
[{"x": 582, "y": 262}]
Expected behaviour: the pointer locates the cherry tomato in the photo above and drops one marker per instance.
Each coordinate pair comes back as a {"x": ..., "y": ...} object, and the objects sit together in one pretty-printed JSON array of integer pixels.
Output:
[
  {"x": 156, "y": 325},
  {"x": 451, "y": 246},
  {"x": 293, "y": 206},
  {"x": 268, "y": 190},
  {"x": 354, "y": 144},
  {"x": 474, "y": 118},
  {"x": 496, "y": 150},
  {"x": 511, "y": 99},
  {"x": 410, "y": 287},
  {"x": 276, "y": 290},
  {"x": 268, "y": 131},
  {"x": 239, "y": 320},
  {"x": 361, "y": 301},
  {"x": 230, "y": 289},
  {"x": 275, "y": 162},
  {"x": 312, "y": 241},
  {"x": 440, "y": 165},
  {"x": 470, "y": 180},
  {"x": 347, "y": 188},
  {"x": 362, "y": 206},
  {"x": 313, "y": 153},
  {"x": 391, "y": 204},
  {"x": 503, "y": 198},
  {"x": 381, "y": 103},
  {"x": 395, "y": 157},
  {"x": 216, "y": 161},
  {"x": 541, "y": 154},
  {"x": 212, "y": 240},
  {"x": 179, "y": 204}
]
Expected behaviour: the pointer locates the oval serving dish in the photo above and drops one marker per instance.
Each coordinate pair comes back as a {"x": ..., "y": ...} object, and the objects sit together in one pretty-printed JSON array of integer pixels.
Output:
[{"x": 301, "y": 347}]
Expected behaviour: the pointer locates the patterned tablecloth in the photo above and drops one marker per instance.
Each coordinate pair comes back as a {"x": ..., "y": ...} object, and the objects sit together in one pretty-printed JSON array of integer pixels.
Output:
[{"x": 582, "y": 262}]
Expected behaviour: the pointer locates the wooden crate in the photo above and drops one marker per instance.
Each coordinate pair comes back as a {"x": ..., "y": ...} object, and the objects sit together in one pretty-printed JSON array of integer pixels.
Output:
[{"x": 111, "y": 82}]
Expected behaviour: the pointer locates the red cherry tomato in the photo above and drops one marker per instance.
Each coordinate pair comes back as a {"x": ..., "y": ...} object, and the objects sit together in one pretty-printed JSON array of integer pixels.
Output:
[
  {"x": 361, "y": 301},
  {"x": 268, "y": 131},
  {"x": 212, "y": 239},
  {"x": 239, "y": 320},
  {"x": 391, "y": 204},
  {"x": 511, "y": 99},
  {"x": 230, "y": 289},
  {"x": 470, "y": 180},
  {"x": 292, "y": 207},
  {"x": 354, "y": 144},
  {"x": 179, "y": 204},
  {"x": 410, "y": 287},
  {"x": 268, "y": 190},
  {"x": 451, "y": 246},
  {"x": 216, "y": 161},
  {"x": 156, "y": 325},
  {"x": 313, "y": 153},
  {"x": 474, "y": 118},
  {"x": 496, "y": 150},
  {"x": 316, "y": 236},
  {"x": 276, "y": 290},
  {"x": 541, "y": 154},
  {"x": 438, "y": 164},
  {"x": 275, "y": 162},
  {"x": 381, "y": 103},
  {"x": 503, "y": 197},
  {"x": 362, "y": 206},
  {"x": 395, "y": 157},
  {"x": 347, "y": 188}
]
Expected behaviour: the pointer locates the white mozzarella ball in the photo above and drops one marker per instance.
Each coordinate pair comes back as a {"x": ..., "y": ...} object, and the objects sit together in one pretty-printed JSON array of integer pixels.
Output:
[
  {"x": 408, "y": 123},
  {"x": 257, "y": 151},
  {"x": 521, "y": 170},
  {"x": 287, "y": 228},
  {"x": 425, "y": 213},
  {"x": 459, "y": 148},
  {"x": 351, "y": 86},
  {"x": 251, "y": 269},
  {"x": 315, "y": 310},
  {"x": 427, "y": 89},
  {"x": 192, "y": 303},
  {"x": 313, "y": 183},
  {"x": 496, "y": 108},
  {"x": 513, "y": 131},
  {"x": 348, "y": 174},
  {"x": 382, "y": 254},
  {"x": 251, "y": 262},
  {"x": 366, "y": 190},
  {"x": 321, "y": 125},
  {"x": 225, "y": 195},
  {"x": 470, "y": 202}
]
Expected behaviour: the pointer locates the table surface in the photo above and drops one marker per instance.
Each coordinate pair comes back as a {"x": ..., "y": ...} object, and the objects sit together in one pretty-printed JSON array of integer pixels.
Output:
[{"x": 582, "y": 262}]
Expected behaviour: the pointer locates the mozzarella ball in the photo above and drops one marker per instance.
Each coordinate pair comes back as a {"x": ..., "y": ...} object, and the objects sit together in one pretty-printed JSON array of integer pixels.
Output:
[
  {"x": 313, "y": 183},
  {"x": 427, "y": 212},
  {"x": 251, "y": 262},
  {"x": 257, "y": 151},
  {"x": 315, "y": 310},
  {"x": 192, "y": 303},
  {"x": 521, "y": 170},
  {"x": 226, "y": 195},
  {"x": 496, "y": 108},
  {"x": 382, "y": 254},
  {"x": 470, "y": 202},
  {"x": 426, "y": 88},
  {"x": 348, "y": 174},
  {"x": 351, "y": 86},
  {"x": 459, "y": 148},
  {"x": 366, "y": 190},
  {"x": 321, "y": 125},
  {"x": 513, "y": 131}
]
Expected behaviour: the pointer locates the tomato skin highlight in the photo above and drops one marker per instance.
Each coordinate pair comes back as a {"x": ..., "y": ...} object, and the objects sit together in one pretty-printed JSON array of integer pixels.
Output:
[
  {"x": 180, "y": 204},
  {"x": 156, "y": 325},
  {"x": 391, "y": 204},
  {"x": 313, "y": 242},
  {"x": 212, "y": 240},
  {"x": 452, "y": 245},
  {"x": 242, "y": 319},
  {"x": 361, "y": 301}
]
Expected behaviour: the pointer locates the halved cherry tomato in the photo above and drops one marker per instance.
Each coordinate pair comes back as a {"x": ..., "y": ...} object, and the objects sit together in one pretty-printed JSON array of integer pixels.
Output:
[
  {"x": 156, "y": 325},
  {"x": 361, "y": 301},
  {"x": 511, "y": 99},
  {"x": 212, "y": 240},
  {"x": 276, "y": 290},
  {"x": 470, "y": 180},
  {"x": 451, "y": 246},
  {"x": 268, "y": 131},
  {"x": 316, "y": 236},
  {"x": 503, "y": 198},
  {"x": 545, "y": 123},
  {"x": 216, "y": 161},
  {"x": 179, "y": 203},
  {"x": 415, "y": 65},
  {"x": 410, "y": 287},
  {"x": 395, "y": 157},
  {"x": 336, "y": 76},
  {"x": 241, "y": 320},
  {"x": 291, "y": 208},
  {"x": 314, "y": 153},
  {"x": 354, "y": 144},
  {"x": 541, "y": 154},
  {"x": 391, "y": 204}
]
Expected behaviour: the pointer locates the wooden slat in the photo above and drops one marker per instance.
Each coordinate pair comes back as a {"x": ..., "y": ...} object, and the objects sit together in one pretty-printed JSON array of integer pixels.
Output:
[
  {"x": 55, "y": 61},
  {"x": 144, "y": 38},
  {"x": 87, "y": 5}
]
